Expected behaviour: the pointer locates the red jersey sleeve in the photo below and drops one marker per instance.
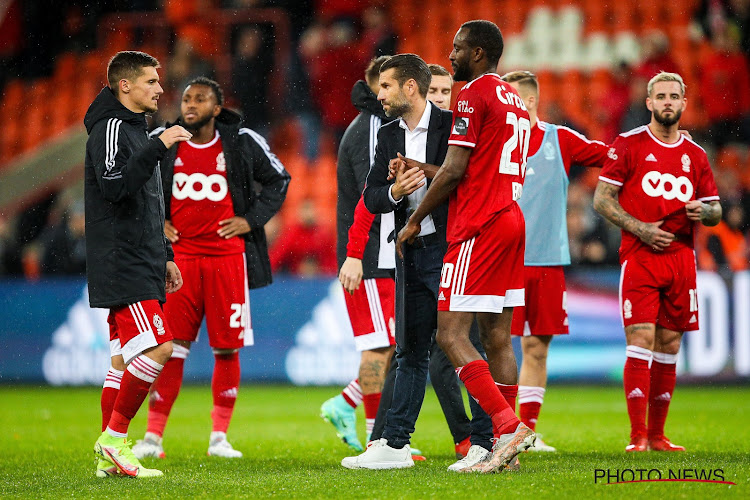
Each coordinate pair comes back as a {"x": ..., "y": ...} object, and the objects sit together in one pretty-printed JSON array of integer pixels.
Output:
[
  {"x": 615, "y": 169},
  {"x": 467, "y": 117},
  {"x": 359, "y": 233},
  {"x": 577, "y": 149},
  {"x": 706, "y": 189}
]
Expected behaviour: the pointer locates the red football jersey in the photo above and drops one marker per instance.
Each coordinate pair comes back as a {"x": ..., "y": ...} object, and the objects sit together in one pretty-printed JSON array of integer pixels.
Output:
[
  {"x": 657, "y": 180},
  {"x": 200, "y": 199},
  {"x": 575, "y": 148},
  {"x": 490, "y": 118}
]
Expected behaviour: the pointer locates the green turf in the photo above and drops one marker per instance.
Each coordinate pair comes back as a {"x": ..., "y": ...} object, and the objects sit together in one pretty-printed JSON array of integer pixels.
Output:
[{"x": 48, "y": 434}]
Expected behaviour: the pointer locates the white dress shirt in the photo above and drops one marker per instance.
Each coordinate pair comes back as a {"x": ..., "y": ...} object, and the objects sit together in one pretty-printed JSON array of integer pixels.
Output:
[{"x": 416, "y": 149}]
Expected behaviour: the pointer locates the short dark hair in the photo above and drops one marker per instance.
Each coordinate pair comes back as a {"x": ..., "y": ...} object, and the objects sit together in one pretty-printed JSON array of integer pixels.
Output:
[
  {"x": 129, "y": 65},
  {"x": 373, "y": 69},
  {"x": 410, "y": 66},
  {"x": 485, "y": 34},
  {"x": 525, "y": 79},
  {"x": 437, "y": 70},
  {"x": 203, "y": 80}
]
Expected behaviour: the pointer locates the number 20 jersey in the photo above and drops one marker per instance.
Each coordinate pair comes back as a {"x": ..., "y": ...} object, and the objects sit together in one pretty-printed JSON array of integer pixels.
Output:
[
  {"x": 490, "y": 118},
  {"x": 656, "y": 180}
]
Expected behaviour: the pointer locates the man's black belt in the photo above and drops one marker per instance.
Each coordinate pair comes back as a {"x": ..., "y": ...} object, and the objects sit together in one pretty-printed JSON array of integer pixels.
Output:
[{"x": 427, "y": 241}]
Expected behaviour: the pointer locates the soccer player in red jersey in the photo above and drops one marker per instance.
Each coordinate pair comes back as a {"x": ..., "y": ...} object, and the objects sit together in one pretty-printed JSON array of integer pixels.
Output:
[
  {"x": 482, "y": 273},
  {"x": 552, "y": 150},
  {"x": 655, "y": 185},
  {"x": 129, "y": 262},
  {"x": 215, "y": 220}
]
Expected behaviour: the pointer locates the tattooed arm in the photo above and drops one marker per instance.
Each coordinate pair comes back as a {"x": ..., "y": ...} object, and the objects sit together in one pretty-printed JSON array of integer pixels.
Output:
[
  {"x": 607, "y": 204},
  {"x": 708, "y": 214}
]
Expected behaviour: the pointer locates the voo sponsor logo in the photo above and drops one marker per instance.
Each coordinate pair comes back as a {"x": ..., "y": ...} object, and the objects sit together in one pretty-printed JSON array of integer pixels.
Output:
[
  {"x": 199, "y": 186},
  {"x": 669, "y": 187}
]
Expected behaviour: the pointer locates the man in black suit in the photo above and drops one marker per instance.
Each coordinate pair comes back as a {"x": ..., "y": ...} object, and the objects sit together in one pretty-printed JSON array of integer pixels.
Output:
[{"x": 422, "y": 131}]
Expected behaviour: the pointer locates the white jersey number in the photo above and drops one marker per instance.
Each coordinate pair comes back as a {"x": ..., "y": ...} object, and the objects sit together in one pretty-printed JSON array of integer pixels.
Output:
[{"x": 518, "y": 139}]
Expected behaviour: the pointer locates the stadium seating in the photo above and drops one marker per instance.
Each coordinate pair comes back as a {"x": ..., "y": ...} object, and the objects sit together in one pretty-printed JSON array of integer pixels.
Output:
[{"x": 570, "y": 44}]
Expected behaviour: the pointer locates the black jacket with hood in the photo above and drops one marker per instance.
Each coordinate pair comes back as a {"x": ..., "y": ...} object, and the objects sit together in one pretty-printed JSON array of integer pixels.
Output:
[
  {"x": 356, "y": 154},
  {"x": 126, "y": 250},
  {"x": 257, "y": 184}
]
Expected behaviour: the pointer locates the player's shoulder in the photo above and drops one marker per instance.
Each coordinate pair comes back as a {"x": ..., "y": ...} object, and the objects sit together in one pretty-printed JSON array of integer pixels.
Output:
[
  {"x": 635, "y": 135},
  {"x": 693, "y": 146}
]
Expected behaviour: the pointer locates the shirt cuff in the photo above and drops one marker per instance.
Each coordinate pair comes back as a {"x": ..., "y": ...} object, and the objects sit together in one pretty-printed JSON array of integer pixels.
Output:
[{"x": 390, "y": 196}]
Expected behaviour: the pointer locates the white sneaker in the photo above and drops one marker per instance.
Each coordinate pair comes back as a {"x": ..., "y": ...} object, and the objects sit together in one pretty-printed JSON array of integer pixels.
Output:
[
  {"x": 218, "y": 446},
  {"x": 149, "y": 446},
  {"x": 379, "y": 455},
  {"x": 476, "y": 455},
  {"x": 540, "y": 445}
]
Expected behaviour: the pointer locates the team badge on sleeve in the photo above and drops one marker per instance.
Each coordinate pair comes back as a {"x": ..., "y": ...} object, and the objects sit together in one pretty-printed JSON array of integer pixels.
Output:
[{"x": 461, "y": 126}]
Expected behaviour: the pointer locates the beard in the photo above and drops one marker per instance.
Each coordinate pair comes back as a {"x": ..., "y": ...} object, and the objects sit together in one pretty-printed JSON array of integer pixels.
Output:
[
  {"x": 197, "y": 125},
  {"x": 398, "y": 109},
  {"x": 668, "y": 121},
  {"x": 461, "y": 72}
]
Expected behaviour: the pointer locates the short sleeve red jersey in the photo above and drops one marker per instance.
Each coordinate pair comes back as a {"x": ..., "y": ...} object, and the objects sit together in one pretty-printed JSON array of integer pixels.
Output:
[
  {"x": 490, "y": 118},
  {"x": 200, "y": 199},
  {"x": 656, "y": 180}
]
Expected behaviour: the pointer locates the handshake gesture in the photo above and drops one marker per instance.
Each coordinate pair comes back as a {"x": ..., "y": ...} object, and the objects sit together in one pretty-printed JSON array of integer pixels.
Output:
[{"x": 410, "y": 176}]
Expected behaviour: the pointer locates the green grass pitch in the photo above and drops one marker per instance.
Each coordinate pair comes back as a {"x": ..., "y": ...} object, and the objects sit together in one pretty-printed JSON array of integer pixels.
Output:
[{"x": 47, "y": 436}]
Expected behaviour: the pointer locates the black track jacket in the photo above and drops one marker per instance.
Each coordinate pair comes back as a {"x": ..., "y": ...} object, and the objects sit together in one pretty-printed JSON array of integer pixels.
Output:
[{"x": 126, "y": 250}]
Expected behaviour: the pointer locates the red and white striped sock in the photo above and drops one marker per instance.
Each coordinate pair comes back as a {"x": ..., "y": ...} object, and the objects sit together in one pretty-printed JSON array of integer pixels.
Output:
[
  {"x": 136, "y": 382},
  {"x": 165, "y": 390},
  {"x": 352, "y": 393},
  {"x": 636, "y": 381},
  {"x": 110, "y": 390},
  {"x": 530, "y": 400},
  {"x": 224, "y": 385}
]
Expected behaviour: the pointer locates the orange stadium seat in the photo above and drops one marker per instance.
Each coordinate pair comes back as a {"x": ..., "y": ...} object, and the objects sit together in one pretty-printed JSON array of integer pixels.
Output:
[
  {"x": 12, "y": 104},
  {"x": 36, "y": 114},
  {"x": 595, "y": 16}
]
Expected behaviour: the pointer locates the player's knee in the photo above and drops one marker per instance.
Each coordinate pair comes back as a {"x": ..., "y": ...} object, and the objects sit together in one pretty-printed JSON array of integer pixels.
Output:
[
  {"x": 161, "y": 353},
  {"x": 224, "y": 352},
  {"x": 445, "y": 340}
]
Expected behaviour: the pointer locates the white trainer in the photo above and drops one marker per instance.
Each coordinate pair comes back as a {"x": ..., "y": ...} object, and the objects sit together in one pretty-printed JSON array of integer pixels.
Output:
[
  {"x": 540, "y": 445},
  {"x": 149, "y": 446},
  {"x": 476, "y": 455},
  {"x": 219, "y": 447},
  {"x": 379, "y": 455}
]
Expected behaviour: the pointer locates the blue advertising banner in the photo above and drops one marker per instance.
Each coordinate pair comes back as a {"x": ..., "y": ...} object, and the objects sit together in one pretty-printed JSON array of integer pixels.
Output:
[{"x": 49, "y": 334}]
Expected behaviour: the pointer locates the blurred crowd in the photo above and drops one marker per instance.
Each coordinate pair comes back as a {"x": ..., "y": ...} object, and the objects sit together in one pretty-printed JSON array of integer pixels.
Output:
[{"x": 331, "y": 43}]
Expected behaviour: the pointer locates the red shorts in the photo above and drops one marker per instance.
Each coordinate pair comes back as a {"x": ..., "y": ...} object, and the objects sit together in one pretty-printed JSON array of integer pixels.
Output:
[
  {"x": 485, "y": 273},
  {"x": 372, "y": 313},
  {"x": 660, "y": 289},
  {"x": 546, "y": 309},
  {"x": 137, "y": 327},
  {"x": 216, "y": 287}
]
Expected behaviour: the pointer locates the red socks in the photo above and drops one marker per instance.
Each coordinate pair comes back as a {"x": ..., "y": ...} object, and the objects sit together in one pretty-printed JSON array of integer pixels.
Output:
[
  {"x": 478, "y": 381},
  {"x": 136, "y": 382},
  {"x": 509, "y": 392},
  {"x": 371, "y": 403},
  {"x": 662, "y": 386},
  {"x": 636, "y": 380},
  {"x": 530, "y": 401},
  {"x": 110, "y": 391},
  {"x": 352, "y": 394},
  {"x": 165, "y": 390},
  {"x": 224, "y": 385}
]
